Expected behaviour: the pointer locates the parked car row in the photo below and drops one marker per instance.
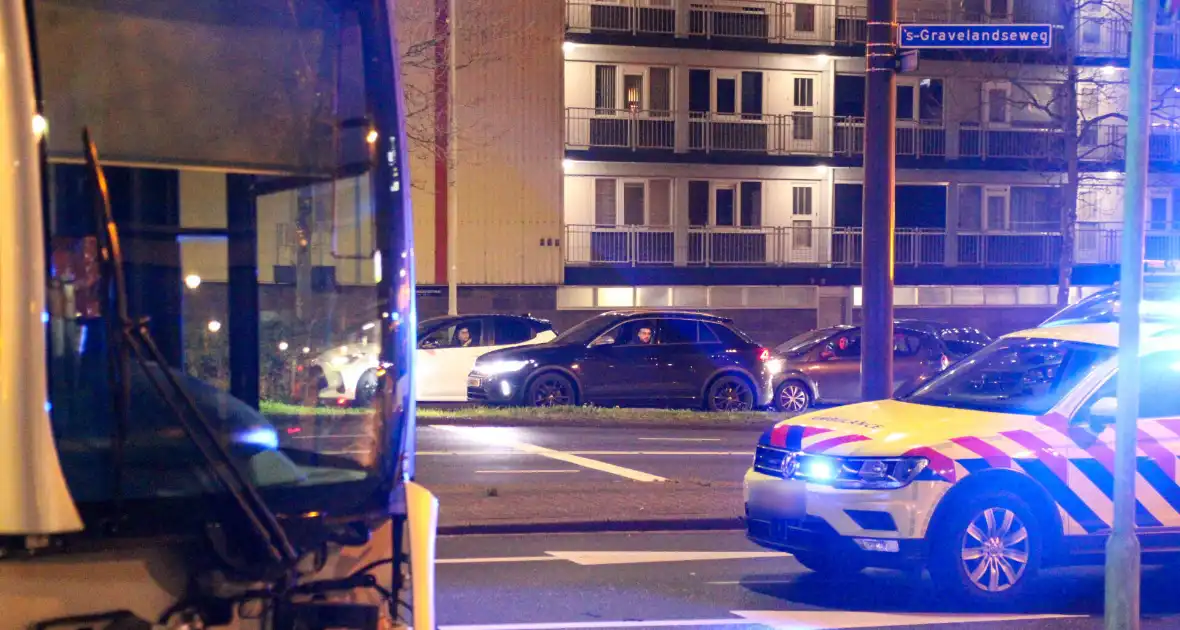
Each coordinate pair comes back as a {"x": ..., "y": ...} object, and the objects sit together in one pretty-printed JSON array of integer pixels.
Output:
[{"x": 669, "y": 358}]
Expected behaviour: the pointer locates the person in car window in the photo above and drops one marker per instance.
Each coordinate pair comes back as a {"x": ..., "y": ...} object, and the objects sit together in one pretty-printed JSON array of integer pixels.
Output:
[
  {"x": 463, "y": 338},
  {"x": 644, "y": 336}
]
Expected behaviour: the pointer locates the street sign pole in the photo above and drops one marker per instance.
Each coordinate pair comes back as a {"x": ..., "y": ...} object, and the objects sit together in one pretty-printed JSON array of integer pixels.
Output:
[
  {"x": 876, "y": 358},
  {"x": 1122, "y": 549}
]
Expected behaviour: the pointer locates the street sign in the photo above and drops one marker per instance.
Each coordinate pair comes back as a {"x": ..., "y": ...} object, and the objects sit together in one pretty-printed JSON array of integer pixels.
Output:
[
  {"x": 907, "y": 62},
  {"x": 968, "y": 36}
]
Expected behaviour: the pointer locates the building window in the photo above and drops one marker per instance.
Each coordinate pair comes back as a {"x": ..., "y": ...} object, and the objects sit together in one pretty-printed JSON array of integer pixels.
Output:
[
  {"x": 633, "y": 92},
  {"x": 930, "y": 101},
  {"x": 634, "y": 203},
  {"x": 802, "y": 198},
  {"x": 660, "y": 91},
  {"x": 699, "y": 91},
  {"x": 751, "y": 204},
  {"x": 905, "y": 102},
  {"x": 659, "y": 202},
  {"x": 803, "y": 118},
  {"x": 604, "y": 90},
  {"x": 996, "y": 103},
  {"x": 804, "y": 17},
  {"x": 801, "y": 233},
  {"x": 726, "y": 96},
  {"x": 698, "y": 203},
  {"x": 605, "y": 202},
  {"x": 724, "y": 200},
  {"x": 752, "y": 94}
]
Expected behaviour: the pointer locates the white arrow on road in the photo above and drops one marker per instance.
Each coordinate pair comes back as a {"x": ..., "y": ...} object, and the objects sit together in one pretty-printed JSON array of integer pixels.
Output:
[{"x": 602, "y": 558}]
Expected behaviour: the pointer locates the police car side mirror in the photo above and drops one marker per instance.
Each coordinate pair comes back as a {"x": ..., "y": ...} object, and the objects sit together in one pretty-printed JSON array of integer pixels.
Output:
[{"x": 1103, "y": 412}]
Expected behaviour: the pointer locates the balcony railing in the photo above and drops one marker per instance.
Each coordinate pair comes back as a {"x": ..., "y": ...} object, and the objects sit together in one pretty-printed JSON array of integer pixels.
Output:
[
  {"x": 1111, "y": 37},
  {"x": 588, "y": 245},
  {"x": 807, "y": 134},
  {"x": 770, "y": 21}
]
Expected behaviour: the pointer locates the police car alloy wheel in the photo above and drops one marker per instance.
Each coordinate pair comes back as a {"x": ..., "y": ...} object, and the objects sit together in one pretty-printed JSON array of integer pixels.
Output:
[{"x": 987, "y": 549}]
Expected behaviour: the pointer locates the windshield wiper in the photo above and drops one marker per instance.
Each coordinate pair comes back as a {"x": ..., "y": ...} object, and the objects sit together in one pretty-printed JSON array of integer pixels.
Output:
[{"x": 133, "y": 337}]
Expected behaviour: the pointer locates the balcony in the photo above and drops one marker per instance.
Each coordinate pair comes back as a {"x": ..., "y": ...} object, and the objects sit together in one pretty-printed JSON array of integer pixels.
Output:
[
  {"x": 766, "y": 21},
  {"x": 1111, "y": 38},
  {"x": 589, "y": 245},
  {"x": 804, "y": 134}
]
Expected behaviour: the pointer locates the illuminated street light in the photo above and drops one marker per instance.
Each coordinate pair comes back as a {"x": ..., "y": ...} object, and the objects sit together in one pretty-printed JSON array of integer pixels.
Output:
[
  {"x": 283, "y": 346},
  {"x": 306, "y": 350},
  {"x": 214, "y": 326},
  {"x": 192, "y": 281},
  {"x": 40, "y": 126}
]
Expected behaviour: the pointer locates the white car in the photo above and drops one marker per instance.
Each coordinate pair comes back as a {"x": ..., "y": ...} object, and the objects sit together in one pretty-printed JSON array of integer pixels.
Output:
[{"x": 447, "y": 349}]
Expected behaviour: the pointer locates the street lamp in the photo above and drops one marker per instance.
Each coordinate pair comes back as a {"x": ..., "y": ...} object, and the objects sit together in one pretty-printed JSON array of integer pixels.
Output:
[
  {"x": 192, "y": 281},
  {"x": 214, "y": 326},
  {"x": 283, "y": 346}
]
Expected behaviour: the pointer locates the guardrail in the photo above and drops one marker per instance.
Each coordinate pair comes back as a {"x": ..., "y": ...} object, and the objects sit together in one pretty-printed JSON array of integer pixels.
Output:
[{"x": 841, "y": 246}]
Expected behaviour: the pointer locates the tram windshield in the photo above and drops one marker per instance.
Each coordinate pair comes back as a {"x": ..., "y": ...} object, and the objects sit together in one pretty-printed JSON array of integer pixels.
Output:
[{"x": 242, "y": 153}]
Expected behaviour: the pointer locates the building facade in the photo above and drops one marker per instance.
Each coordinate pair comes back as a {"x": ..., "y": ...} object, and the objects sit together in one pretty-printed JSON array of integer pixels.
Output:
[{"x": 708, "y": 154}]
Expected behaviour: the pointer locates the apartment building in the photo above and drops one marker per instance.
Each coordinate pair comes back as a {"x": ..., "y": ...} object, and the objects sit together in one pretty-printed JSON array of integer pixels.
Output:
[
  {"x": 714, "y": 152},
  {"x": 708, "y": 154}
]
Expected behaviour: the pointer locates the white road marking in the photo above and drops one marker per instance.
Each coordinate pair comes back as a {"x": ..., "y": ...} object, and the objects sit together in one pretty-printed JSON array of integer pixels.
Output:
[
  {"x": 784, "y": 620},
  {"x": 496, "y": 560},
  {"x": 324, "y": 437},
  {"x": 669, "y": 439},
  {"x": 522, "y": 472},
  {"x": 611, "y": 453},
  {"x": 505, "y": 438},
  {"x": 804, "y": 619},
  {"x": 602, "y": 558}
]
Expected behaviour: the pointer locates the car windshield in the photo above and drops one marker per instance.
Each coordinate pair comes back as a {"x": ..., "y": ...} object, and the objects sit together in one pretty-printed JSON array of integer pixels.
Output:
[
  {"x": 234, "y": 136},
  {"x": 961, "y": 342},
  {"x": 586, "y": 331},
  {"x": 1159, "y": 303},
  {"x": 805, "y": 341},
  {"x": 1020, "y": 376}
]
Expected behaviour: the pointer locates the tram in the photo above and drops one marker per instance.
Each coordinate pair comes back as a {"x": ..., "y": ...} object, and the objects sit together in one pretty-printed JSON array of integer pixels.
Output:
[{"x": 194, "y": 195}]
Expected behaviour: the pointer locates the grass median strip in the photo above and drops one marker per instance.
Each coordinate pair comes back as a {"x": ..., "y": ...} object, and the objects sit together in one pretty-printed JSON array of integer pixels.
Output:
[{"x": 556, "y": 416}]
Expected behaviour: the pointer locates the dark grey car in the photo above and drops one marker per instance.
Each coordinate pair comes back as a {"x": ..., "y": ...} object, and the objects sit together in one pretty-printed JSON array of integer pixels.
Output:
[{"x": 823, "y": 366}]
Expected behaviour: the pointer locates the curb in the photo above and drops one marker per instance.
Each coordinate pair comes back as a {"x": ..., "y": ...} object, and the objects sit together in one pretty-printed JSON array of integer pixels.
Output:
[
  {"x": 650, "y": 525},
  {"x": 591, "y": 424}
]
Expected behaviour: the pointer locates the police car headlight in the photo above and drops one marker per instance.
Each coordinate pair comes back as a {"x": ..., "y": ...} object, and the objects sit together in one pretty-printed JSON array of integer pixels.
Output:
[
  {"x": 859, "y": 473},
  {"x": 495, "y": 368}
]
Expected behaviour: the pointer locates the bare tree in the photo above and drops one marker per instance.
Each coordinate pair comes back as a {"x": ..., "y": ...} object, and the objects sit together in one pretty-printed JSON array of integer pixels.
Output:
[
  {"x": 425, "y": 54},
  {"x": 1075, "y": 113}
]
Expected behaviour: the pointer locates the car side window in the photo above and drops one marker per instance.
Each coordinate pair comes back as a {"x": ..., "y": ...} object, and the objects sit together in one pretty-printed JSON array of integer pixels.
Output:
[
  {"x": 634, "y": 333},
  {"x": 469, "y": 333},
  {"x": 439, "y": 338},
  {"x": 679, "y": 331},
  {"x": 512, "y": 331},
  {"x": 723, "y": 334},
  {"x": 1159, "y": 387},
  {"x": 906, "y": 344},
  {"x": 843, "y": 346}
]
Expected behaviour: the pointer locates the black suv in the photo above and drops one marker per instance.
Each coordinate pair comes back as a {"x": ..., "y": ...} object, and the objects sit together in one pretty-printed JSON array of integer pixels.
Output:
[{"x": 670, "y": 358}]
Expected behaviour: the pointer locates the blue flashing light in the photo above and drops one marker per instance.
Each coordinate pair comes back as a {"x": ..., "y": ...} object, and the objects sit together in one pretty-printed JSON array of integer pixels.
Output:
[
  {"x": 817, "y": 469},
  {"x": 44, "y": 317},
  {"x": 263, "y": 436}
]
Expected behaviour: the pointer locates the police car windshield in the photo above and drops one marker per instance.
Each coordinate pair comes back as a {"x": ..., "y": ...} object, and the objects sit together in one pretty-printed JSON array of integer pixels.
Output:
[{"x": 1020, "y": 376}]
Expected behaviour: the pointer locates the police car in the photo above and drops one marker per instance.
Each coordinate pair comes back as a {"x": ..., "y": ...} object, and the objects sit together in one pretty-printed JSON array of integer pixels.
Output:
[{"x": 993, "y": 470}]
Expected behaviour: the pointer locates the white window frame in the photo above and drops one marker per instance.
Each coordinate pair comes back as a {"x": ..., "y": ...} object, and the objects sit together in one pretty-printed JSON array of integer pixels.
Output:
[
  {"x": 985, "y": 101},
  {"x": 989, "y": 192},
  {"x": 736, "y": 186},
  {"x": 716, "y": 74},
  {"x": 1170, "y": 214},
  {"x": 989, "y": 9},
  {"x": 622, "y": 70}
]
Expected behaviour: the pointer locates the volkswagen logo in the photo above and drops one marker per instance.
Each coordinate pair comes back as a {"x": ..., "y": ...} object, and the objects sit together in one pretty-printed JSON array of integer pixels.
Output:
[{"x": 790, "y": 465}]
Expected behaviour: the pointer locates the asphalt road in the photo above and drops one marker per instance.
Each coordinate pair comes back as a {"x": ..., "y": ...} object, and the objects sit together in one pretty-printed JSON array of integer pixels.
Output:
[
  {"x": 719, "y": 580},
  {"x": 529, "y": 455}
]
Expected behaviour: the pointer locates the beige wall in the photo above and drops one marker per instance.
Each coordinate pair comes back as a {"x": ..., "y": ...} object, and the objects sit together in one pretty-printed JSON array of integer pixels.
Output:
[{"x": 510, "y": 139}]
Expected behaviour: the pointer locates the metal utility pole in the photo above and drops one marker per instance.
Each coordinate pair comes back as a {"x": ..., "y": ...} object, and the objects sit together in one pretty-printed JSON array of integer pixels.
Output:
[
  {"x": 876, "y": 357},
  {"x": 1122, "y": 549},
  {"x": 452, "y": 166}
]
